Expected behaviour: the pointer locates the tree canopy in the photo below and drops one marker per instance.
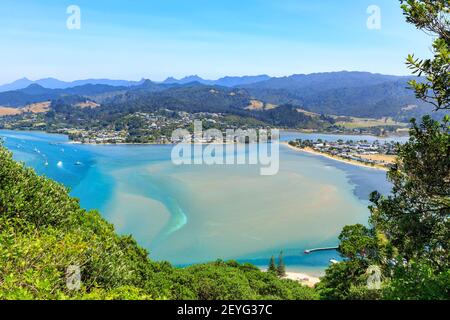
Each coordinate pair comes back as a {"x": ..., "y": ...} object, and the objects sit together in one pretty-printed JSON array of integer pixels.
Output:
[
  {"x": 409, "y": 230},
  {"x": 433, "y": 17}
]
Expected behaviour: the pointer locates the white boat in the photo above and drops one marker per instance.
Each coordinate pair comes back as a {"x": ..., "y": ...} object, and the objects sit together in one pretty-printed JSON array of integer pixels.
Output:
[{"x": 334, "y": 261}]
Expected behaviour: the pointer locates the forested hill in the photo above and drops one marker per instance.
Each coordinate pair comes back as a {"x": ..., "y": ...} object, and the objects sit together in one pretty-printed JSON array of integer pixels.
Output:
[
  {"x": 358, "y": 94},
  {"x": 44, "y": 231},
  {"x": 192, "y": 98}
]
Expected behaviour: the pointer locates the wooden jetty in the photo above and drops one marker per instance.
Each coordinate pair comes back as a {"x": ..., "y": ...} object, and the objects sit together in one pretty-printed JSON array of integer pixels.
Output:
[{"x": 308, "y": 251}]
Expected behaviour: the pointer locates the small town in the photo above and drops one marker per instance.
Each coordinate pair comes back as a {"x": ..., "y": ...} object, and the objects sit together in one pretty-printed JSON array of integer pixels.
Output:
[
  {"x": 139, "y": 127},
  {"x": 376, "y": 153}
]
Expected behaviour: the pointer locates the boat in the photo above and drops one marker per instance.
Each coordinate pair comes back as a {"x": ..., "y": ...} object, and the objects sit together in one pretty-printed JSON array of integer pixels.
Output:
[{"x": 78, "y": 163}]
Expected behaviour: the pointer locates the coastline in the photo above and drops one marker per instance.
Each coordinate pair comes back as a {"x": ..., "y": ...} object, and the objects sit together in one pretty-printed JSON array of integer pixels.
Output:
[
  {"x": 148, "y": 143},
  {"x": 347, "y": 161},
  {"x": 218, "y": 143},
  {"x": 305, "y": 131},
  {"x": 118, "y": 143}
]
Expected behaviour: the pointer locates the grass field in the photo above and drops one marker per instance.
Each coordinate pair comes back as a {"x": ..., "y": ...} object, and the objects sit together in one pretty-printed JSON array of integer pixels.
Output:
[
  {"x": 355, "y": 123},
  {"x": 31, "y": 108}
]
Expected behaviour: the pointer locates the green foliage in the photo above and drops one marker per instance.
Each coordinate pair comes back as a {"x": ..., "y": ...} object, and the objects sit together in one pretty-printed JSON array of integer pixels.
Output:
[
  {"x": 340, "y": 278},
  {"x": 431, "y": 16},
  {"x": 281, "y": 268},
  {"x": 418, "y": 281},
  {"x": 360, "y": 247},
  {"x": 357, "y": 242},
  {"x": 410, "y": 229},
  {"x": 272, "y": 267},
  {"x": 244, "y": 282},
  {"x": 43, "y": 231},
  {"x": 416, "y": 216}
]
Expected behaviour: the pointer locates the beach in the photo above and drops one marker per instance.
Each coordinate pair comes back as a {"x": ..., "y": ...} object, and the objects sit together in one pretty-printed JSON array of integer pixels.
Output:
[
  {"x": 336, "y": 158},
  {"x": 303, "y": 278}
]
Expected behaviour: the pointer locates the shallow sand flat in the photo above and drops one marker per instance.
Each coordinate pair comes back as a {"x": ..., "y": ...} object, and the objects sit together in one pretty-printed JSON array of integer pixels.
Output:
[
  {"x": 145, "y": 216},
  {"x": 233, "y": 212}
]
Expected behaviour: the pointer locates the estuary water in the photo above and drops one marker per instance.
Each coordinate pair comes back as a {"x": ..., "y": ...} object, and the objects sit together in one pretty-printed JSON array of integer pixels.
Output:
[{"x": 190, "y": 214}]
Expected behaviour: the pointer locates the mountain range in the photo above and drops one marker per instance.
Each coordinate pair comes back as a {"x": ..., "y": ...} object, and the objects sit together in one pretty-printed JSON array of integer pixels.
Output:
[
  {"x": 360, "y": 94},
  {"x": 225, "y": 81},
  {"x": 52, "y": 83}
]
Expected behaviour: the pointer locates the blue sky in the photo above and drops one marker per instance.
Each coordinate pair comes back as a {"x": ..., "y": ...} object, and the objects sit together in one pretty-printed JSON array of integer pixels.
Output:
[{"x": 212, "y": 38}]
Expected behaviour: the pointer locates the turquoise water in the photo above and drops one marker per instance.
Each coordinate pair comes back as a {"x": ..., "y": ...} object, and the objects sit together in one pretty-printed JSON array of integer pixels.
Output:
[{"x": 192, "y": 214}]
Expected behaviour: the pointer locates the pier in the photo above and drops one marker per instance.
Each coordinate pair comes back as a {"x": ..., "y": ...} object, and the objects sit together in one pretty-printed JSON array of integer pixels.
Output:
[{"x": 308, "y": 251}]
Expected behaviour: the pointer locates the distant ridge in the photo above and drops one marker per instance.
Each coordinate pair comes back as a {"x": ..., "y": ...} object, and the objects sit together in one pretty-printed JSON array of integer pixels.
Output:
[
  {"x": 326, "y": 80},
  {"x": 52, "y": 83},
  {"x": 225, "y": 81},
  {"x": 342, "y": 78},
  {"x": 186, "y": 80},
  {"x": 16, "y": 85}
]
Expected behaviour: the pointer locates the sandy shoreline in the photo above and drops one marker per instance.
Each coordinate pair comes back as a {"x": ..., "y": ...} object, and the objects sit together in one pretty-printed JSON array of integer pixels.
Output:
[
  {"x": 344, "y": 133},
  {"x": 348, "y": 161},
  {"x": 302, "y": 278}
]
